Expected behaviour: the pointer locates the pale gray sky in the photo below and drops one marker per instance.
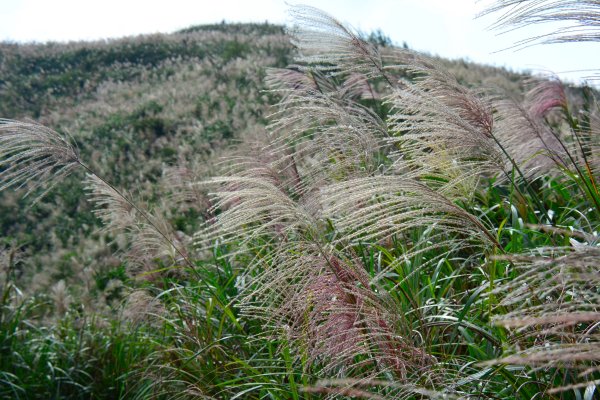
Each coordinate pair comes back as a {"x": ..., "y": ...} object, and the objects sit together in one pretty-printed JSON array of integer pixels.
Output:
[{"x": 443, "y": 27}]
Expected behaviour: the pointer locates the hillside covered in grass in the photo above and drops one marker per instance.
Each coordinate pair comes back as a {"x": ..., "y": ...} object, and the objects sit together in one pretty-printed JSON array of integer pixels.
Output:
[
  {"x": 138, "y": 106},
  {"x": 134, "y": 106},
  {"x": 216, "y": 213}
]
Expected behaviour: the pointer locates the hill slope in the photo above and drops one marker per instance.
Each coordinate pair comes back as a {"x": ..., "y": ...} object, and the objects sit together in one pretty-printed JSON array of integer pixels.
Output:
[
  {"x": 393, "y": 223},
  {"x": 136, "y": 105}
]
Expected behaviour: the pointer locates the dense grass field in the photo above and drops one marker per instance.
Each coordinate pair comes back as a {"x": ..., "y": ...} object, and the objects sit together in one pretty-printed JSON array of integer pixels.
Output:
[{"x": 244, "y": 212}]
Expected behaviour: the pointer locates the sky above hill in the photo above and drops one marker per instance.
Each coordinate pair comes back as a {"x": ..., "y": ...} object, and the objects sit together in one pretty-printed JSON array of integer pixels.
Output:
[{"x": 441, "y": 27}]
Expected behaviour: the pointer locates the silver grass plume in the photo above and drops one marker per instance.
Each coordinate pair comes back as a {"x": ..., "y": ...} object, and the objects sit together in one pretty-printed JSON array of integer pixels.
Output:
[
  {"x": 464, "y": 148},
  {"x": 324, "y": 127},
  {"x": 293, "y": 81},
  {"x": 545, "y": 95},
  {"x": 150, "y": 234},
  {"x": 184, "y": 191},
  {"x": 299, "y": 286},
  {"x": 320, "y": 122},
  {"x": 357, "y": 86},
  {"x": 10, "y": 256},
  {"x": 457, "y": 157},
  {"x": 475, "y": 148},
  {"x": 326, "y": 307},
  {"x": 255, "y": 201},
  {"x": 583, "y": 17},
  {"x": 443, "y": 130},
  {"x": 554, "y": 302},
  {"x": 61, "y": 297},
  {"x": 554, "y": 137},
  {"x": 34, "y": 156},
  {"x": 548, "y": 100},
  {"x": 111, "y": 206},
  {"x": 276, "y": 206},
  {"x": 141, "y": 307},
  {"x": 536, "y": 150},
  {"x": 37, "y": 157},
  {"x": 375, "y": 209},
  {"x": 330, "y": 46},
  {"x": 301, "y": 79}
]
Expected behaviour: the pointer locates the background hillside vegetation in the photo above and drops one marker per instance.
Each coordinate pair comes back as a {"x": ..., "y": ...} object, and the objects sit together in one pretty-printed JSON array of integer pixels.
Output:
[{"x": 240, "y": 211}]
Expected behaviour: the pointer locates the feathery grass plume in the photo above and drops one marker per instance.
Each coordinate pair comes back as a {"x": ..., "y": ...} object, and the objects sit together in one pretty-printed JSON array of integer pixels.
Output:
[
  {"x": 536, "y": 150},
  {"x": 375, "y": 209},
  {"x": 326, "y": 307},
  {"x": 326, "y": 183},
  {"x": 340, "y": 69},
  {"x": 34, "y": 156},
  {"x": 420, "y": 114},
  {"x": 545, "y": 95},
  {"x": 301, "y": 79},
  {"x": 580, "y": 18},
  {"x": 442, "y": 130},
  {"x": 62, "y": 298},
  {"x": 553, "y": 139},
  {"x": 442, "y": 96},
  {"x": 254, "y": 204},
  {"x": 581, "y": 22},
  {"x": 39, "y": 157},
  {"x": 115, "y": 212},
  {"x": 548, "y": 99},
  {"x": 325, "y": 128},
  {"x": 182, "y": 183},
  {"x": 140, "y": 307},
  {"x": 553, "y": 309},
  {"x": 150, "y": 235},
  {"x": 299, "y": 287},
  {"x": 357, "y": 86},
  {"x": 182, "y": 179},
  {"x": 293, "y": 80},
  {"x": 330, "y": 46},
  {"x": 11, "y": 257},
  {"x": 321, "y": 127}
]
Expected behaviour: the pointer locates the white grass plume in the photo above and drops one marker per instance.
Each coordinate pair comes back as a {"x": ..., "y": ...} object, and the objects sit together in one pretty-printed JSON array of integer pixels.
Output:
[
  {"x": 34, "y": 156},
  {"x": 582, "y": 17},
  {"x": 554, "y": 302},
  {"x": 38, "y": 157},
  {"x": 328, "y": 44},
  {"x": 150, "y": 234},
  {"x": 442, "y": 129},
  {"x": 326, "y": 307},
  {"x": 326, "y": 127}
]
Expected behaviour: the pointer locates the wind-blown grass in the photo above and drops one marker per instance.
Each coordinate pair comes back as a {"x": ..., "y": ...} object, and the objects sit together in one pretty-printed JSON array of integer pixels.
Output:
[
  {"x": 395, "y": 234},
  {"x": 581, "y": 16}
]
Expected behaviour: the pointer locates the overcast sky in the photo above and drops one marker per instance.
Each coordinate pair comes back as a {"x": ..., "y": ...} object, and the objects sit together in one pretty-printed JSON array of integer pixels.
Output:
[{"x": 443, "y": 27}]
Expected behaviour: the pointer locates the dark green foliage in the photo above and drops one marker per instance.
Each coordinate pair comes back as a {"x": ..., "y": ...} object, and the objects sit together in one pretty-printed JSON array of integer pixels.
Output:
[
  {"x": 80, "y": 357},
  {"x": 379, "y": 38},
  {"x": 31, "y": 82},
  {"x": 245, "y": 29},
  {"x": 102, "y": 277}
]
